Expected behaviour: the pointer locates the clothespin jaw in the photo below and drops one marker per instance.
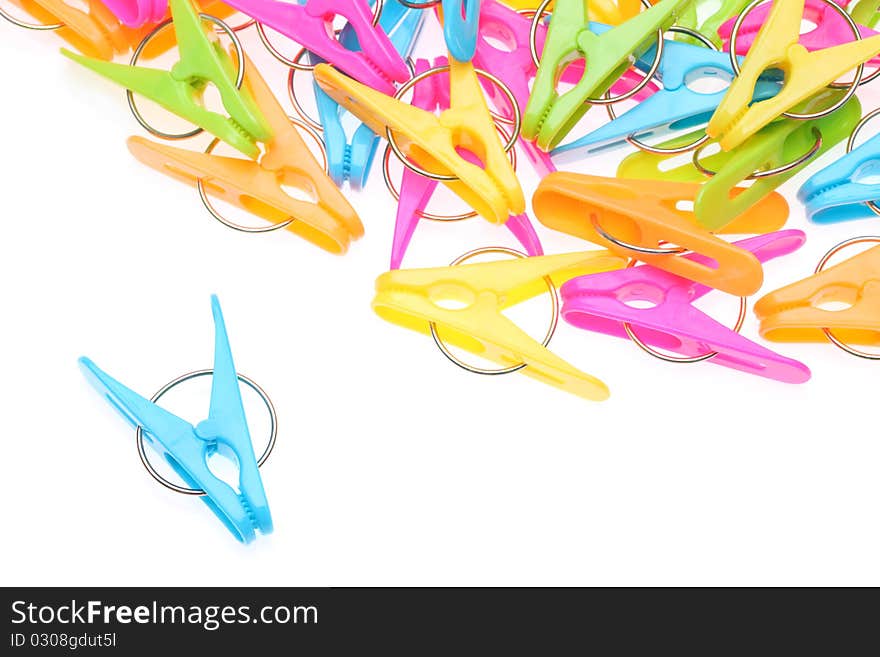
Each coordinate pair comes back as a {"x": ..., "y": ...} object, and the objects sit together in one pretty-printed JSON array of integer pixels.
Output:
[
  {"x": 376, "y": 64},
  {"x": 644, "y": 214},
  {"x": 244, "y": 510},
  {"x": 413, "y": 299},
  {"x": 709, "y": 27},
  {"x": 493, "y": 190},
  {"x": 92, "y": 30},
  {"x": 460, "y": 19},
  {"x": 675, "y": 106},
  {"x": 837, "y": 193},
  {"x": 137, "y": 13},
  {"x": 549, "y": 116},
  {"x": 777, "y": 144},
  {"x": 793, "y": 313},
  {"x": 328, "y": 221},
  {"x": 805, "y": 74},
  {"x": 202, "y": 61},
  {"x": 603, "y": 303},
  {"x": 352, "y": 160}
]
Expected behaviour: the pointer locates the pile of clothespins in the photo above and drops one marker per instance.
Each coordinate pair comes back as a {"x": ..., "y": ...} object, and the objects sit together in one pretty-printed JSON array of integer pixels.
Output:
[{"x": 791, "y": 97}]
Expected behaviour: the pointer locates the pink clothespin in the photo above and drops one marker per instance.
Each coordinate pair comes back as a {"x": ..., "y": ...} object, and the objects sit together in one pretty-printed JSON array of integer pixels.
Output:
[
  {"x": 598, "y": 302},
  {"x": 515, "y": 68},
  {"x": 377, "y": 64},
  {"x": 416, "y": 190},
  {"x": 831, "y": 28},
  {"x": 137, "y": 13}
]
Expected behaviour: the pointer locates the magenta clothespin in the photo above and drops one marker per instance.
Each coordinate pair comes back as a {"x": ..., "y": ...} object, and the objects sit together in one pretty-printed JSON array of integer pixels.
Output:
[
  {"x": 515, "y": 68},
  {"x": 137, "y": 13},
  {"x": 377, "y": 64},
  {"x": 416, "y": 190},
  {"x": 598, "y": 302},
  {"x": 831, "y": 28}
]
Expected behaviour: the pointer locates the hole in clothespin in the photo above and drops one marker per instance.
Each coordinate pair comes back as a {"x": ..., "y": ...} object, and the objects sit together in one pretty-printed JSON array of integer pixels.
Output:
[
  {"x": 707, "y": 80},
  {"x": 498, "y": 36},
  {"x": 569, "y": 73},
  {"x": 867, "y": 174},
  {"x": 808, "y": 25},
  {"x": 685, "y": 205},
  {"x": 452, "y": 297},
  {"x": 835, "y": 298},
  {"x": 223, "y": 464}
]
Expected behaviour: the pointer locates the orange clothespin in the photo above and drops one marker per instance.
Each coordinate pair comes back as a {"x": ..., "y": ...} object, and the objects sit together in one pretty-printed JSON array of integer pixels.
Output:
[
  {"x": 93, "y": 30},
  {"x": 794, "y": 313},
  {"x": 635, "y": 218},
  {"x": 416, "y": 299},
  {"x": 329, "y": 222},
  {"x": 806, "y": 73},
  {"x": 493, "y": 189}
]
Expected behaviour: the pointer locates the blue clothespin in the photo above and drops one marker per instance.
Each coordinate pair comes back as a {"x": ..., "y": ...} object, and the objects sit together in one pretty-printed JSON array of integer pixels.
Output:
[
  {"x": 352, "y": 161},
  {"x": 186, "y": 448},
  {"x": 461, "y": 20},
  {"x": 834, "y": 193},
  {"x": 674, "y": 107}
]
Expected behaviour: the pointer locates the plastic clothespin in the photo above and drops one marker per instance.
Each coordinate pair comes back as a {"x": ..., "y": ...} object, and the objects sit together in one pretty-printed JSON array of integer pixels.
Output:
[
  {"x": 690, "y": 18},
  {"x": 90, "y": 27},
  {"x": 179, "y": 90},
  {"x": 413, "y": 298},
  {"x": 492, "y": 189},
  {"x": 136, "y": 13},
  {"x": 600, "y": 302},
  {"x": 836, "y": 193},
  {"x": 806, "y": 73},
  {"x": 830, "y": 29},
  {"x": 256, "y": 187},
  {"x": 610, "y": 12},
  {"x": 675, "y": 106},
  {"x": 515, "y": 68},
  {"x": 792, "y": 313},
  {"x": 550, "y": 116},
  {"x": 352, "y": 160},
  {"x": 416, "y": 190},
  {"x": 460, "y": 19},
  {"x": 776, "y": 146},
  {"x": 377, "y": 64},
  {"x": 865, "y": 12},
  {"x": 244, "y": 510},
  {"x": 645, "y": 214}
]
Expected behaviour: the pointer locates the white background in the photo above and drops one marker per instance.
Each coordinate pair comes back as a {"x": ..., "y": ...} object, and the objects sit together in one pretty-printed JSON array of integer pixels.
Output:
[{"x": 392, "y": 467}]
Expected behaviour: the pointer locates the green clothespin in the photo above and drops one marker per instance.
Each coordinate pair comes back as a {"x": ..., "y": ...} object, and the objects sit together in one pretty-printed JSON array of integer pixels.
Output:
[
  {"x": 775, "y": 146},
  {"x": 549, "y": 117},
  {"x": 866, "y": 12},
  {"x": 179, "y": 90},
  {"x": 709, "y": 27}
]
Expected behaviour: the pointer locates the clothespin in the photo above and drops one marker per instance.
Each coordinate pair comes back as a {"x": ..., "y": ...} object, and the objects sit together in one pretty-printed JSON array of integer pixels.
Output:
[
  {"x": 635, "y": 218},
  {"x": 771, "y": 157},
  {"x": 256, "y": 187},
  {"x": 837, "y": 193},
  {"x": 675, "y": 106},
  {"x": 91, "y": 28},
  {"x": 515, "y": 68},
  {"x": 352, "y": 160},
  {"x": 413, "y": 298},
  {"x": 136, "y": 13},
  {"x": 610, "y": 12},
  {"x": 690, "y": 18},
  {"x": 460, "y": 20},
  {"x": 806, "y": 73},
  {"x": 830, "y": 29},
  {"x": 601, "y": 302},
  {"x": 243, "y": 510},
  {"x": 549, "y": 116},
  {"x": 865, "y": 12},
  {"x": 179, "y": 90},
  {"x": 377, "y": 64},
  {"x": 416, "y": 190},
  {"x": 793, "y": 313},
  {"x": 492, "y": 189}
]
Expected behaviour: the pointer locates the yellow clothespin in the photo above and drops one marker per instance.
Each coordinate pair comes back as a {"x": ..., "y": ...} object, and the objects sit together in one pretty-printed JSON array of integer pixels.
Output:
[
  {"x": 418, "y": 299},
  {"x": 493, "y": 189},
  {"x": 806, "y": 73}
]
